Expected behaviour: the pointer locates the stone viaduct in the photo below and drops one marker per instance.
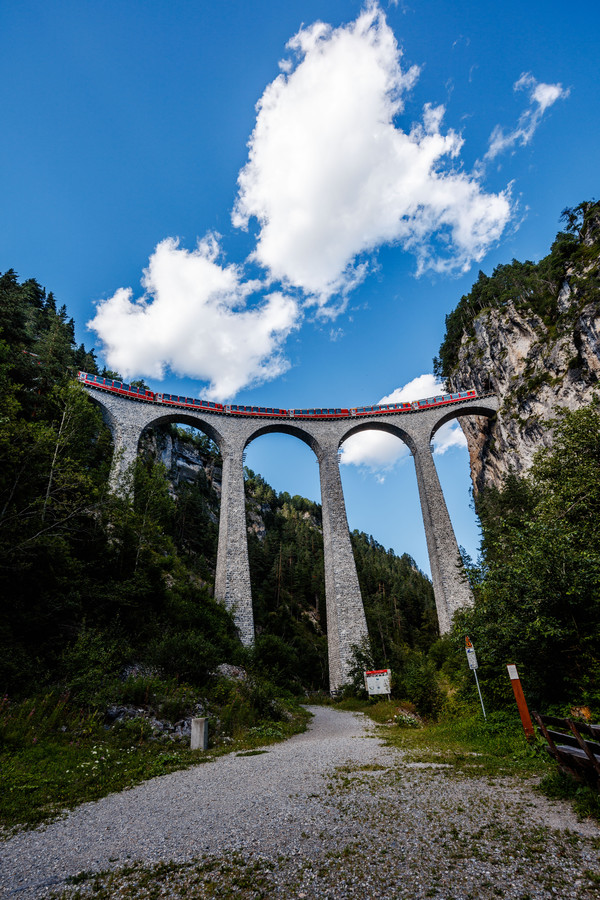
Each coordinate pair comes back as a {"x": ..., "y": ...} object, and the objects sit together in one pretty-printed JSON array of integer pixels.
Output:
[{"x": 346, "y": 624}]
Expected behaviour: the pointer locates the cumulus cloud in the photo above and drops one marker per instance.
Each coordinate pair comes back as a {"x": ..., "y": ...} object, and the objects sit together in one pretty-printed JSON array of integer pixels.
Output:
[
  {"x": 195, "y": 319},
  {"x": 378, "y": 452},
  {"x": 541, "y": 97},
  {"x": 330, "y": 176}
]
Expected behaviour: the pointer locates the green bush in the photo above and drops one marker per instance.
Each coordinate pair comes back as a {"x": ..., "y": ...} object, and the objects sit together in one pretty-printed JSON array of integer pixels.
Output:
[
  {"x": 168, "y": 698},
  {"x": 91, "y": 666},
  {"x": 187, "y": 654}
]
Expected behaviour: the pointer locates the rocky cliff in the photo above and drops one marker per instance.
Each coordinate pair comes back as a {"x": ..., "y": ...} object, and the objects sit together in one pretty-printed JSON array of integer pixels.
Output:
[{"x": 531, "y": 334}]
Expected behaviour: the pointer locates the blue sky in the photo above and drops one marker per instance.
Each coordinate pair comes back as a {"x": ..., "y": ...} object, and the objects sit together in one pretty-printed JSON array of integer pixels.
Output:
[{"x": 304, "y": 251}]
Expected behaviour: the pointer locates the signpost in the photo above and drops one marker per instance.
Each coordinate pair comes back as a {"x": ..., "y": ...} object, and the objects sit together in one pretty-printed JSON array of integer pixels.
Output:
[
  {"x": 473, "y": 665},
  {"x": 521, "y": 702},
  {"x": 377, "y": 681}
]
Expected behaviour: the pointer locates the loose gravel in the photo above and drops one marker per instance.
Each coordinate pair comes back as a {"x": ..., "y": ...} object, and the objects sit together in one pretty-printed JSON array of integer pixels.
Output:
[{"x": 331, "y": 813}]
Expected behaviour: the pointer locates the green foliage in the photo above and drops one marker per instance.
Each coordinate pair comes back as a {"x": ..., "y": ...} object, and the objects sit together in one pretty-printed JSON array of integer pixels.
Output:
[
  {"x": 533, "y": 288},
  {"x": 89, "y": 581},
  {"x": 54, "y": 753},
  {"x": 538, "y": 596},
  {"x": 585, "y": 799}
]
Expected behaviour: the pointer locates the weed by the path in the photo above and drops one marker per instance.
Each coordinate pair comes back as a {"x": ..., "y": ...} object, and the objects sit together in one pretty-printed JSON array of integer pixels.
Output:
[
  {"x": 467, "y": 743},
  {"x": 585, "y": 799},
  {"x": 54, "y": 755}
]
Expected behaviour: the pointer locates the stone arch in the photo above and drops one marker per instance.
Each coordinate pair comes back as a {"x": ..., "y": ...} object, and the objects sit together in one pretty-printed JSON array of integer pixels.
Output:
[
  {"x": 185, "y": 418},
  {"x": 477, "y": 408},
  {"x": 286, "y": 428},
  {"x": 346, "y": 622},
  {"x": 379, "y": 425}
]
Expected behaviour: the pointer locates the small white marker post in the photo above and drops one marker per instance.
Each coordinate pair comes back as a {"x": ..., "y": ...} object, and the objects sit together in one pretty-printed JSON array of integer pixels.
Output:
[{"x": 473, "y": 664}]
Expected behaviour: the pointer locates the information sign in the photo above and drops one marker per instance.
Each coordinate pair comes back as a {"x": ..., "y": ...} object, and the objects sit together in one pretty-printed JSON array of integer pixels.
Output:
[
  {"x": 377, "y": 681},
  {"x": 471, "y": 657},
  {"x": 473, "y": 665}
]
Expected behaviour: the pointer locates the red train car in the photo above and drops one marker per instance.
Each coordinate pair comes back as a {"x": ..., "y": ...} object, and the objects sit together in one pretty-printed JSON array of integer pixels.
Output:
[{"x": 134, "y": 393}]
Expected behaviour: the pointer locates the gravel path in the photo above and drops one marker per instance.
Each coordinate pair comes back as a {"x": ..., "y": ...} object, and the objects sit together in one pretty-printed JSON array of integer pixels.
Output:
[{"x": 331, "y": 814}]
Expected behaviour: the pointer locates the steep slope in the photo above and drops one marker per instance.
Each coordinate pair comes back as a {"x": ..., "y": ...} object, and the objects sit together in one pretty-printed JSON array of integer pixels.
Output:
[{"x": 529, "y": 333}]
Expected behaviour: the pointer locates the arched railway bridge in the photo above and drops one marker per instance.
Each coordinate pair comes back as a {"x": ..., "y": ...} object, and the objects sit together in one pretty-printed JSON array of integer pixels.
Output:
[{"x": 346, "y": 624}]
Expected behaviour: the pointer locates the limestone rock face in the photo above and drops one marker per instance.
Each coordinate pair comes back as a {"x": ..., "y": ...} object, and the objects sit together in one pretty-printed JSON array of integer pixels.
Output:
[{"x": 535, "y": 367}]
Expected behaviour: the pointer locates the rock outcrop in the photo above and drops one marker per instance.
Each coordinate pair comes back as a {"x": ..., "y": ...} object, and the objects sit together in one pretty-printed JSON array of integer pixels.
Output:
[{"x": 535, "y": 343}]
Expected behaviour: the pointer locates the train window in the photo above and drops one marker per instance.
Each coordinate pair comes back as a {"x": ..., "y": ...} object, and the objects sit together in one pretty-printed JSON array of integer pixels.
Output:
[
  {"x": 261, "y": 409},
  {"x": 269, "y": 410},
  {"x": 304, "y": 412},
  {"x": 337, "y": 411},
  {"x": 211, "y": 405}
]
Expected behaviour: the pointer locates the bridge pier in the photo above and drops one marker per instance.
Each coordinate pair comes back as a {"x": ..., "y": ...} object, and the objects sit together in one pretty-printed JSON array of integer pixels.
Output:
[
  {"x": 450, "y": 587},
  {"x": 126, "y": 438},
  {"x": 232, "y": 577},
  {"x": 346, "y": 623}
]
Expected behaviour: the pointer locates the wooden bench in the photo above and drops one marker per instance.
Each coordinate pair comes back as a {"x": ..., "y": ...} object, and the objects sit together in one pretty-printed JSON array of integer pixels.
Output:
[{"x": 574, "y": 745}]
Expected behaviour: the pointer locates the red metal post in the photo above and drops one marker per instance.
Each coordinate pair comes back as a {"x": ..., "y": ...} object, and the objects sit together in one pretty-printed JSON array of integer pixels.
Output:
[{"x": 521, "y": 702}]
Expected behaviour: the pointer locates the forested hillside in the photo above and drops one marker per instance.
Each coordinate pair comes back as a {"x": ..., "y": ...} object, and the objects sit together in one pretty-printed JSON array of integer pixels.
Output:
[{"x": 93, "y": 584}]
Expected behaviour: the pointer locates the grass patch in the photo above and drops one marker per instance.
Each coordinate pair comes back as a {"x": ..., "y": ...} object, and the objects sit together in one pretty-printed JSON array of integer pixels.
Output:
[
  {"x": 471, "y": 745},
  {"x": 52, "y": 760},
  {"x": 232, "y": 879},
  {"x": 585, "y": 799}
]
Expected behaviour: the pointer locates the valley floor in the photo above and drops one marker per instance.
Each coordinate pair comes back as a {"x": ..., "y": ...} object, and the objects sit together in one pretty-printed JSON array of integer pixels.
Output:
[{"x": 331, "y": 813}]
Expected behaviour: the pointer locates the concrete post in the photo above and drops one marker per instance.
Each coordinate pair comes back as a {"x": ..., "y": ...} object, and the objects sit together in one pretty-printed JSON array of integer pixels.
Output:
[
  {"x": 232, "y": 578},
  {"x": 451, "y": 589},
  {"x": 346, "y": 623},
  {"x": 199, "y": 736}
]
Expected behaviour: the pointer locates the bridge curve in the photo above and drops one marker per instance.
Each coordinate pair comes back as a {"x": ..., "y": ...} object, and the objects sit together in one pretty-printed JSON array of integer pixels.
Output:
[{"x": 346, "y": 623}]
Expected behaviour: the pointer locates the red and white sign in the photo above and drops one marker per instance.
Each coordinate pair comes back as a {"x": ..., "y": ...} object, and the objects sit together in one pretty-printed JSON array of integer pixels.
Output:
[
  {"x": 471, "y": 658},
  {"x": 377, "y": 681}
]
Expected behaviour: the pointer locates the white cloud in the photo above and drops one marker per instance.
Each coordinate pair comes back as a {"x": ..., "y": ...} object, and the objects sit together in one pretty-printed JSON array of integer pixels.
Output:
[
  {"x": 379, "y": 452},
  {"x": 541, "y": 97},
  {"x": 194, "y": 319},
  {"x": 331, "y": 177}
]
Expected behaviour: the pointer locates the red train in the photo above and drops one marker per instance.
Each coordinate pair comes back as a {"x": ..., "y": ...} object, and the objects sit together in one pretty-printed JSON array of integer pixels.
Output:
[{"x": 126, "y": 390}]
